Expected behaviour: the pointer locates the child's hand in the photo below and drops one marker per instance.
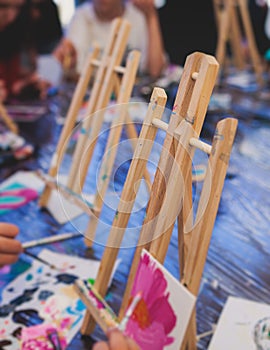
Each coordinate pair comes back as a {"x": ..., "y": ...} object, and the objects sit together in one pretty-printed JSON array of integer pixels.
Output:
[
  {"x": 10, "y": 248},
  {"x": 31, "y": 87},
  {"x": 66, "y": 54},
  {"x": 117, "y": 341}
]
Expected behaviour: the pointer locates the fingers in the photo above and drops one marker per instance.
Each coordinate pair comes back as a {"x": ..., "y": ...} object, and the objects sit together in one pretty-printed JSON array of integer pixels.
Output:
[
  {"x": 31, "y": 85},
  {"x": 8, "y": 259},
  {"x": 10, "y": 248},
  {"x": 66, "y": 54},
  {"x": 8, "y": 230},
  {"x": 117, "y": 341},
  {"x": 132, "y": 345},
  {"x": 102, "y": 345}
]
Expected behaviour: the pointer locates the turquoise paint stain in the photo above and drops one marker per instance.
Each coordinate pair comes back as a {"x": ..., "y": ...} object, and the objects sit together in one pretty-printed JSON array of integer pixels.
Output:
[
  {"x": 80, "y": 305},
  {"x": 85, "y": 132},
  {"x": 29, "y": 277},
  {"x": 104, "y": 177},
  {"x": 109, "y": 297},
  {"x": 154, "y": 105}
]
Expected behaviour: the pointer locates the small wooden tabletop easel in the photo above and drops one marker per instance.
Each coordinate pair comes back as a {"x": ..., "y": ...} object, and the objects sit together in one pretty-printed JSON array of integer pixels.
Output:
[
  {"x": 234, "y": 25},
  {"x": 171, "y": 193},
  {"x": 110, "y": 77},
  {"x": 191, "y": 103}
]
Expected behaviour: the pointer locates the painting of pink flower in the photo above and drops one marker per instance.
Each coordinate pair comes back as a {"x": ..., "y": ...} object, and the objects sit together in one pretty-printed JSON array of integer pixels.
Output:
[{"x": 153, "y": 318}]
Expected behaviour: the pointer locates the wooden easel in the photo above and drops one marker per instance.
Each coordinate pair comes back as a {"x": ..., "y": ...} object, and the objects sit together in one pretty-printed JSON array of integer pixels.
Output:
[
  {"x": 234, "y": 24},
  {"x": 8, "y": 120},
  {"x": 189, "y": 110},
  {"x": 110, "y": 78}
]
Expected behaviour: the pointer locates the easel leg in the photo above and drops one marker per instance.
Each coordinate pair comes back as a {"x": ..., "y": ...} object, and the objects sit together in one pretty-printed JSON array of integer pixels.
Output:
[{"x": 189, "y": 342}]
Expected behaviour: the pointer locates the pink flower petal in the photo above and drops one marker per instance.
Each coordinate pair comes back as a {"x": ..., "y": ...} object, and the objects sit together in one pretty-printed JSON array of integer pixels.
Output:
[
  {"x": 149, "y": 338},
  {"x": 162, "y": 312}
]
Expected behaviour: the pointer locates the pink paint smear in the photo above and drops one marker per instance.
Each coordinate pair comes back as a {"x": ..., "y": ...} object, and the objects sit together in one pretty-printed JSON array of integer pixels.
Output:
[{"x": 153, "y": 318}]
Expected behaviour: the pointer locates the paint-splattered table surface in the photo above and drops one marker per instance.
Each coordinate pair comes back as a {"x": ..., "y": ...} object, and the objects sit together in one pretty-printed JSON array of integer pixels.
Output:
[{"x": 238, "y": 259}]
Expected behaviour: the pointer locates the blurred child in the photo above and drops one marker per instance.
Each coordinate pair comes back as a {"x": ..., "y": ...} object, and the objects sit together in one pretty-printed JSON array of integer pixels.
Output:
[{"x": 92, "y": 21}]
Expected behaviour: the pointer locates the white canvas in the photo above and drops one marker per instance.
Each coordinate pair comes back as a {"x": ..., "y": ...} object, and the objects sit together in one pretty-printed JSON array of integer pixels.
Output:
[{"x": 166, "y": 306}]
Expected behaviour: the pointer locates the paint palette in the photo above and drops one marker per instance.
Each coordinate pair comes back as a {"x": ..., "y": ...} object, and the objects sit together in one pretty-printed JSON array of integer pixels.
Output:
[{"x": 43, "y": 296}]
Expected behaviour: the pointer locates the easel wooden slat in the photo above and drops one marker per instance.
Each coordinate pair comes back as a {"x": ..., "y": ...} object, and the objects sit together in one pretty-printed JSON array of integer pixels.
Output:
[
  {"x": 135, "y": 173},
  {"x": 200, "y": 236},
  {"x": 12, "y": 126},
  {"x": 95, "y": 111},
  {"x": 71, "y": 117},
  {"x": 234, "y": 24},
  {"x": 209, "y": 202},
  {"x": 121, "y": 110},
  {"x": 108, "y": 78}
]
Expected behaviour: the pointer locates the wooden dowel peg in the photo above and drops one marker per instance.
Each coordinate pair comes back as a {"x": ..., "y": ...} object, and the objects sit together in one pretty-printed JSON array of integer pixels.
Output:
[
  {"x": 195, "y": 75},
  {"x": 160, "y": 124},
  {"x": 200, "y": 145},
  {"x": 117, "y": 69}
]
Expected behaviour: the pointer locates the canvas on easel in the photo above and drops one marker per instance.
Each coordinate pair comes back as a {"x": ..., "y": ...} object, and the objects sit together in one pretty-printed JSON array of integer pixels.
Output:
[
  {"x": 234, "y": 25},
  {"x": 109, "y": 78}
]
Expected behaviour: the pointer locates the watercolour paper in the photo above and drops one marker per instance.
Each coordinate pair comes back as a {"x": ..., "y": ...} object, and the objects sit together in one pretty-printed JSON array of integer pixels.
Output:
[
  {"x": 60, "y": 208},
  {"x": 25, "y": 178},
  {"x": 243, "y": 325},
  {"x": 14, "y": 196},
  {"x": 160, "y": 319},
  {"x": 43, "y": 295},
  {"x": 18, "y": 190}
]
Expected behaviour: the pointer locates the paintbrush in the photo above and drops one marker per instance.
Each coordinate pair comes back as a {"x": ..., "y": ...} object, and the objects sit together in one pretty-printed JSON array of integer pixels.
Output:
[
  {"x": 53, "y": 239},
  {"x": 53, "y": 337},
  {"x": 129, "y": 312},
  {"x": 95, "y": 303},
  {"x": 26, "y": 252}
]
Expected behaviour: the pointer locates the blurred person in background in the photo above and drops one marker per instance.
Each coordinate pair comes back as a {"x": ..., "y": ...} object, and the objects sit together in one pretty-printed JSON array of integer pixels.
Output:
[
  {"x": 92, "y": 21},
  {"x": 47, "y": 25},
  {"x": 18, "y": 55}
]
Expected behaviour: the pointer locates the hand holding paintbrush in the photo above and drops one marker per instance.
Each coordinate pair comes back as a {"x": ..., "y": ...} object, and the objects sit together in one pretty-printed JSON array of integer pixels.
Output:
[
  {"x": 116, "y": 341},
  {"x": 10, "y": 247},
  {"x": 107, "y": 319}
]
